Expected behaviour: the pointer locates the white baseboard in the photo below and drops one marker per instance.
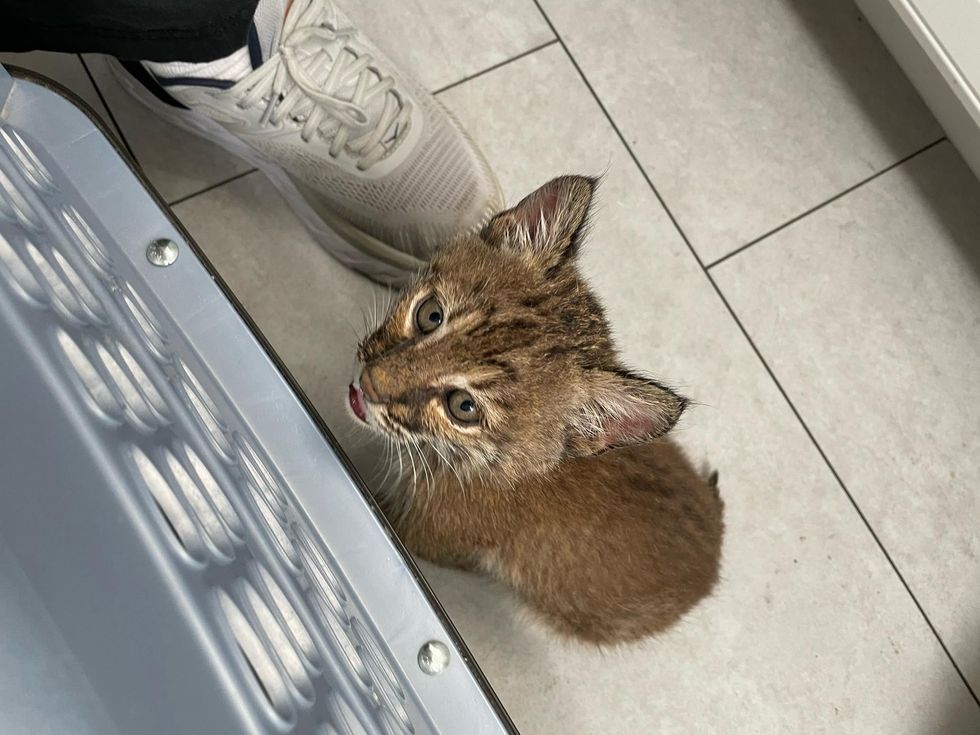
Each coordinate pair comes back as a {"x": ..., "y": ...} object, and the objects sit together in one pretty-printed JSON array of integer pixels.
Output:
[{"x": 937, "y": 44}]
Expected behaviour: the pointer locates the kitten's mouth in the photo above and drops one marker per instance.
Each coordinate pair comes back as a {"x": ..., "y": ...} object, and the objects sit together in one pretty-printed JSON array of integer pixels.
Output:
[{"x": 356, "y": 400}]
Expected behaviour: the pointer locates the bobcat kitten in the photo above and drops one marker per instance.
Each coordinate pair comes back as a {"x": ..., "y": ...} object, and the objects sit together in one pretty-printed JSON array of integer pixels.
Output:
[{"x": 537, "y": 457}]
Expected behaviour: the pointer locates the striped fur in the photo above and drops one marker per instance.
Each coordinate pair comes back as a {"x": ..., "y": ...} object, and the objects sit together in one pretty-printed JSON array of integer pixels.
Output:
[{"x": 565, "y": 487}]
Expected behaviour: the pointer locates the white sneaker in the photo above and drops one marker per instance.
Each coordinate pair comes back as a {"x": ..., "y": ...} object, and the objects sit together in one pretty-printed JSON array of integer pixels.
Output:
[{"x": 376, "y": 167}]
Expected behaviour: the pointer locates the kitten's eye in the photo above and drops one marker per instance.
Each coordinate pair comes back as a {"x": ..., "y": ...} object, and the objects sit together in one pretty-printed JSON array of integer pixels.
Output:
[
  {"x": 429, "y": 315},
  {"x": 462, "y": 407}
]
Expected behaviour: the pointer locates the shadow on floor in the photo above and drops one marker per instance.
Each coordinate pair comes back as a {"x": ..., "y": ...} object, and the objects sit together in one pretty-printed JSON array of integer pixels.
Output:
[
  {"x": 954, "y": 713},
  {"x": 952, "y": 190},
  {"x": 864, "y": 67}
]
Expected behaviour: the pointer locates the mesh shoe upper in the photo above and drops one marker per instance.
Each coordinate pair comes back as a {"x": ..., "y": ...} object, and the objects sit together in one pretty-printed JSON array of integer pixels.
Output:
[
  {"x": 443, "y": 187},
  {"x": 364, "y": 143}
]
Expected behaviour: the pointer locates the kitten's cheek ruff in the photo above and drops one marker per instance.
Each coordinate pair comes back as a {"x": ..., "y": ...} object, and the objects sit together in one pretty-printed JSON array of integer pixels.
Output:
[{"x": 356, "y": 400}]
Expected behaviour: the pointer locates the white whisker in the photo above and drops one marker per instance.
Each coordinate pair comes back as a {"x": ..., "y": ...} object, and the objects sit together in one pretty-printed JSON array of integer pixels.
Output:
[
  {"x": 426, "y": 471},
  {"x": 415, "y": 478},
  {"x": 385, "y": 464},
  {"x": 449, "y": 464},
  {"x": 398, "y": 451}
]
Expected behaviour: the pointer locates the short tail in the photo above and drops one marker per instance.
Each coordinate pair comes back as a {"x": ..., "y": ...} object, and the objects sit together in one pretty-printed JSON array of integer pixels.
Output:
[
  {"x": 716, "y": 501},
  {"x": 710, "y": 475}
]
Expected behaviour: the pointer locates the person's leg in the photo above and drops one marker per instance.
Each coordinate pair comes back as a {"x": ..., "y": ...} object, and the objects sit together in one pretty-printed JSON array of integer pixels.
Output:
[
  {"x": 150, "y": 30},
  {"x": 374, "y": 166}
]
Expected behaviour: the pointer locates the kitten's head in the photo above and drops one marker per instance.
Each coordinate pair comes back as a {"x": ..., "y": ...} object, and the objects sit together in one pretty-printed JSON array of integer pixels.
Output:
[{"x": 499, "y": 356}]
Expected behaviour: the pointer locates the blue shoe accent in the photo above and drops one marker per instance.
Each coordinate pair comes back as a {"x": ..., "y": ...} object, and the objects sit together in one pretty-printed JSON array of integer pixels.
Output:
[
  {"x": 195, "y": 82},
  {"x": 138, "y": 72}
]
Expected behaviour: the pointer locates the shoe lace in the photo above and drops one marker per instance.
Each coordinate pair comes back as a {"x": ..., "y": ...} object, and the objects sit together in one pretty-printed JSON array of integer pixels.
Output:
[{"x": 318, "y": 79}]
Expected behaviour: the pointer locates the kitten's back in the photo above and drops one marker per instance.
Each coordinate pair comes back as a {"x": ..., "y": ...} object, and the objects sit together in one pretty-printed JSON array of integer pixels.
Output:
[{"x": 618, "y": 546}]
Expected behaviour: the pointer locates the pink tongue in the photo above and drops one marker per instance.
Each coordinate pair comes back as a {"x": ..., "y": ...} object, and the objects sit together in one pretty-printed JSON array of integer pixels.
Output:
[{"x": 356, "y": 403}]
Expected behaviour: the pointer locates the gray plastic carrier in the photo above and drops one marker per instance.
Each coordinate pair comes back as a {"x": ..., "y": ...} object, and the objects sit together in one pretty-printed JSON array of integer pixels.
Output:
[{"x": 183, "y": 546}]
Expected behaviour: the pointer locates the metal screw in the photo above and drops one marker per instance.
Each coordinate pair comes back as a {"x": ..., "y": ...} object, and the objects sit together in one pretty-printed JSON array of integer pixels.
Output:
[
  {"x": 433, "y": 657},
  {"x": 162, "y": 252}
]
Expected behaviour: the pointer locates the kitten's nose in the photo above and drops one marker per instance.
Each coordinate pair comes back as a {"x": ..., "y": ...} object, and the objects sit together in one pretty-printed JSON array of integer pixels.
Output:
[{"x": 367, "y": 386}]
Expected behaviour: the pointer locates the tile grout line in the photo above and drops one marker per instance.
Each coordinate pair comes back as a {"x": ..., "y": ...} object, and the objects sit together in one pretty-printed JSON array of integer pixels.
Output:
[
  {"x": 212, "y": 187},
  {"x": 821, "y": 205},
  {"x": 847, "y": 492},
  {"x": 129, "y": 148},
  {"x": 758, "y": 354},
  {"x": 496, "y": 66},
  {"x": 622, "y": 139},
  {"x": 108, "y": 109}
]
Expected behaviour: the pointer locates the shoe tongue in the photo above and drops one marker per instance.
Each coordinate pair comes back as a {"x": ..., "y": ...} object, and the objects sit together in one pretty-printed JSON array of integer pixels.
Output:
[{"x": 266, "y": 29}]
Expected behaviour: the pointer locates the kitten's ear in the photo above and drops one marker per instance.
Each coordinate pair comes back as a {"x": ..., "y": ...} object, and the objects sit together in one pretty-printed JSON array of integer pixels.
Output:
[
  {"x": 623, "y": 409},
  {"x": 547, "y": 223}
]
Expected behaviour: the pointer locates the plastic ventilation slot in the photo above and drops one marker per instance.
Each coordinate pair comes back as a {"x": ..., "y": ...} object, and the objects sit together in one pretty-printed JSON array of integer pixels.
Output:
[
  {"x": 98, "y": 390},
  {"x": 378, "y": 661},
  {"x": 214, "y": 492},
  {"x": 177, "y": 518},
  {"x": 30, "y": 165},
  {"x": 385, "y": 682},
  {"x": 133, "y": 388},
  {"x": 393, "y": 724},
  {"x": 289, "y": 618},
  {"x": 206, "y": 412},
  {"x": 19, "y": 275},
  {"x": 143, "y": 382},
  {"x": 93, "y": 305},
  {"x": 280, "y": 644},
  {"x": 259, "y": 661},
  {"x": 343, "y": 642},
  {"x": 63, "y": 298},
  {"x": 91, "y": 246},
  {"x": 153, "y": 337},
  {"x": 15, "y": 207},
  {"x": 345, "y": 721},
  {"x": 260, "y": 477},
  {"x": 276, "y": 529},
  {"x": 208, "y": 518},
  {"x": 321, "y": 576}
]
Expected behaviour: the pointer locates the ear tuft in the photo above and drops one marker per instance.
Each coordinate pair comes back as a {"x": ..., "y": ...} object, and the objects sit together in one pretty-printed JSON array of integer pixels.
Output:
[
  {"x": 548, "y": 223},
  {"x": 623, "y": 409}
]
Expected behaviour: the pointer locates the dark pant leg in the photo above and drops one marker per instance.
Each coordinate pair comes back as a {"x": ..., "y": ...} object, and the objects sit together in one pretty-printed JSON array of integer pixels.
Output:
[{"x": 151, "y": 30}]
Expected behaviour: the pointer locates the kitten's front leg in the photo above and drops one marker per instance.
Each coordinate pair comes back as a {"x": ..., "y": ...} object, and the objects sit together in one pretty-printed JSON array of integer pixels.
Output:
[{"x": 438, "y": 538}]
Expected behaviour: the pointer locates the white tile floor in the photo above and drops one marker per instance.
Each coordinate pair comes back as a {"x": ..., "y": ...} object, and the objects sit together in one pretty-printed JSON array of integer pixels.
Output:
[{"x": 835, "y": 359}]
